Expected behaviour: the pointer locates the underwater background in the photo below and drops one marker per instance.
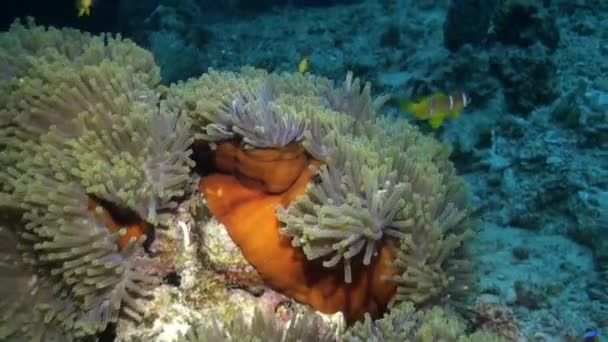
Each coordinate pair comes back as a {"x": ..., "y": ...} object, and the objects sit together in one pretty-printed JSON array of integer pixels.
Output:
[{"x": 304, "y": 170}]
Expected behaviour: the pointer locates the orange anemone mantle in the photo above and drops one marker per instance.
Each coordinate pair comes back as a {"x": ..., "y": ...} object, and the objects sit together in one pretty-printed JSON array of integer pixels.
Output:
[
  {"x": 134, "y": 227},
  {"x": 243, "y": 195}
]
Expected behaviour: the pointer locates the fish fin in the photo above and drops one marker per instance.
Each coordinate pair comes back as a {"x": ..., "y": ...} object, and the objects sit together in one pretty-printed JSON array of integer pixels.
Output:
[
  {"x": 455, "y": 114},
  {"x": 415, "y": 108},
  {"x": 303, "y": 65},
  {"x": 436, "y": 121}
]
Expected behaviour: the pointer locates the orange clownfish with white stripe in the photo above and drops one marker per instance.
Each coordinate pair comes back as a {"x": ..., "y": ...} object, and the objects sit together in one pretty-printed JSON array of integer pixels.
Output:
[{"x": 437, "y": 107}]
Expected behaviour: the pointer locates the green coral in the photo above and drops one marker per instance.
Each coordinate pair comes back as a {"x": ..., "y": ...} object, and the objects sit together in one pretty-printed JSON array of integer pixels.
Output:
[
  {"x": 262, "y": 327},
  {"x": 404, "y": 323}
]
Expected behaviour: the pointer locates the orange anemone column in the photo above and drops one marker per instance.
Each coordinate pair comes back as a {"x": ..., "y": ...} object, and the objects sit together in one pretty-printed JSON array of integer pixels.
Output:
[
  {"x": 134, "y": 226},
  {"x": 242, "y": 201}
]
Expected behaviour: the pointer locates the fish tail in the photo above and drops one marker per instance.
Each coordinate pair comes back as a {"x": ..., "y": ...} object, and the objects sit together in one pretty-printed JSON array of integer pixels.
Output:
[
  {"x": 406, "y": 106},
  {"x": 436, "y": 121},
  {"x": 412, "y": 108}
]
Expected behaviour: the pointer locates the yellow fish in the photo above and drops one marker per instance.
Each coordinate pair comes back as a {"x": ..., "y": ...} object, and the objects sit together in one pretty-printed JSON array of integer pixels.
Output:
[
  {"x": 303, "y": 65},
  {"x": 437, "y": 107},
  {"x": 84, "y": 7}
]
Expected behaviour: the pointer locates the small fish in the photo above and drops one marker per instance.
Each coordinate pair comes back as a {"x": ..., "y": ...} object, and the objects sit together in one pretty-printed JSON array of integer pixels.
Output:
[
  {"x": 303, "y": 65},
  {"x": 437, "y": 107},
  {"x": 591, "y": 336},
  {"x": 84, "y": 7}
]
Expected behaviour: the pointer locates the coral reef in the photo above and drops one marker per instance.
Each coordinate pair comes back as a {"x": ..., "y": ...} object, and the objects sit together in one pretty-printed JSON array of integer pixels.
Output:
[
  {"x": 333, "y": 205},
  {"x": 537, "y": 173},
  {"x": 532, "y": 145},
  {"x": 511, "y": 22},
  {"x": 490, "y": 315},
  {"x": 523, "y": 23},
  {"x": 515, "y": 69}
]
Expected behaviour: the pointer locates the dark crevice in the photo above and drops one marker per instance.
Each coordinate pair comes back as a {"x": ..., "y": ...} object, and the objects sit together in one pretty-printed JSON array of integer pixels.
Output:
[
  {"x": 202, "y": 155},
  {"x": 126, "y": 217},
  {"x": 172, "y": 279},
  {"x": 108, "y": 334}
]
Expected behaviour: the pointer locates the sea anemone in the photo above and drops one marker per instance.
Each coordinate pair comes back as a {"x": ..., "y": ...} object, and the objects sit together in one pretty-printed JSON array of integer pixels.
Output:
[
  {"x": 94, "y": 155},
  {"x": 28, "y": 49},
  {"x": 371, "y": 190},
  {"x": 405, "y": 323},
  {"x": 141, "y": 162},
  {"x": 51, "y": 77},
  {"x": 333, "y": 205},
  {"x": 75, "y": 245},
  {"x": 263, "y": 326},
  {"x": 24, "y": 297}
]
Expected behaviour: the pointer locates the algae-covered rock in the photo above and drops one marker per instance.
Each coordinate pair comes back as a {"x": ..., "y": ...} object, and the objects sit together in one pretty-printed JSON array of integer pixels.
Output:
[
  {"x": 524, "y": 23},
  {"x": 516, "y": 68},
  {"x": 468, "y": 22}
]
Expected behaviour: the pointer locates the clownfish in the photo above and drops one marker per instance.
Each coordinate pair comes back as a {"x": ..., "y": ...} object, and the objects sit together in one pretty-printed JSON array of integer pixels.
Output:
[
  {"x": 437, "y": 107},
  {"x": 591, "y": 336},
  {"x": 84, "y": 7},
  {"x": 303, "y": 65}
]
